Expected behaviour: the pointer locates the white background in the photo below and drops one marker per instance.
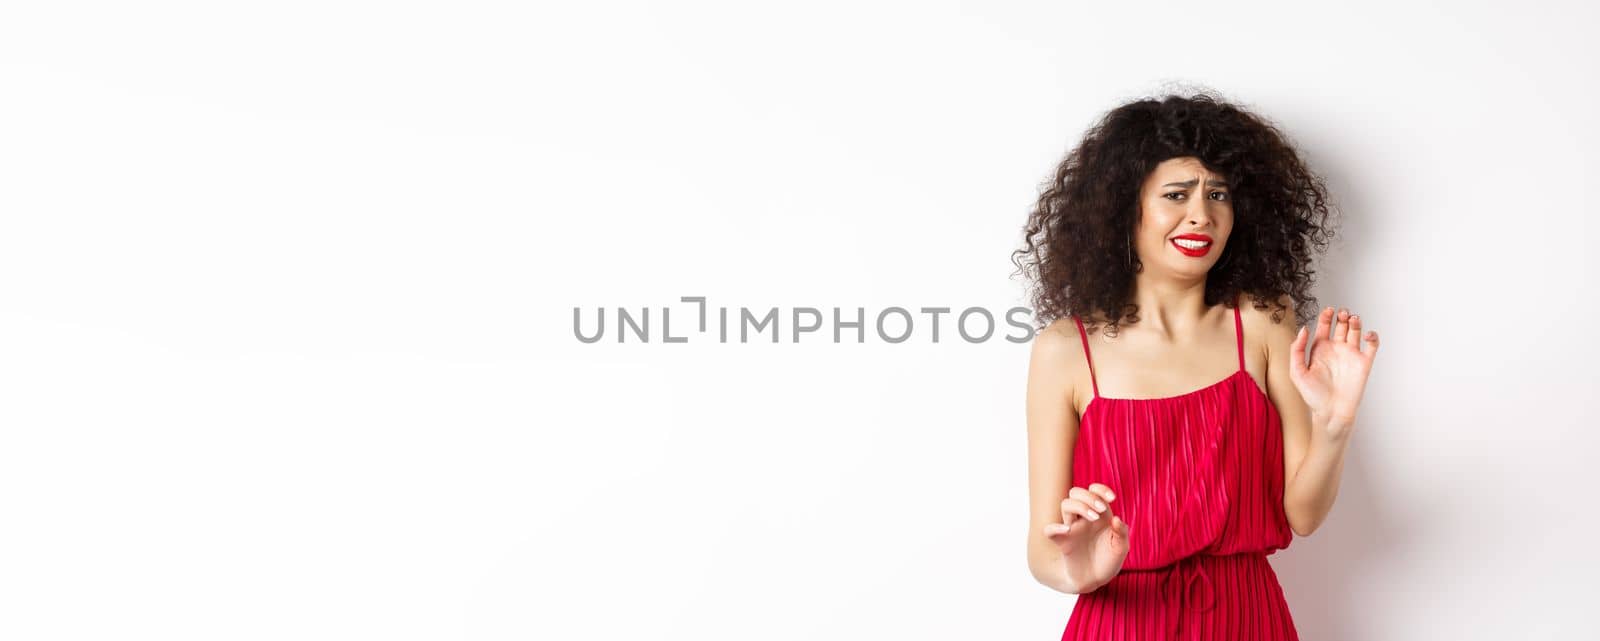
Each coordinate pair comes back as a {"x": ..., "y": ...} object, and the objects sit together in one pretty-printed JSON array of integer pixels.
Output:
[{"x": 286, "y": 298}]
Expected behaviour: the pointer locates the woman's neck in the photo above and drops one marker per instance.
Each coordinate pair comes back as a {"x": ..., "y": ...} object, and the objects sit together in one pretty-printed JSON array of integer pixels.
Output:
[{"x": 1169, "y": 308}]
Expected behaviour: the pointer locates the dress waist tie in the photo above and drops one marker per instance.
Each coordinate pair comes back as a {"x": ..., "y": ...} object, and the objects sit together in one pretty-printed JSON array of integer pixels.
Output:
[{"x": 1178, "y": 584}]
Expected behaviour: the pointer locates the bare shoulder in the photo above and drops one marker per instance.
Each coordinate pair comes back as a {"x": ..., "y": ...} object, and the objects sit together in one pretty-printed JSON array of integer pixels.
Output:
[
  {"x": 1057, "y": 347},
  {"x": 1268, "y": 330},
  {"x": 1059, "y": 342},
  {"x": 1276, "y": 313},
  {"x": 1057, "y": 360}
]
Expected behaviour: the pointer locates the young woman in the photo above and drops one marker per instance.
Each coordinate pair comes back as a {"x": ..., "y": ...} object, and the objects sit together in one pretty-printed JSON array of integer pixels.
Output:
[{"x": 1176, "y": 435}]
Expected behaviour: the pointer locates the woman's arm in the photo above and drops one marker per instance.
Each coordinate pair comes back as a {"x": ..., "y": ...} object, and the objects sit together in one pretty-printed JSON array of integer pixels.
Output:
[
  {"x": 1052, "y": 432},
  {"x": 1313, "y": 445}
]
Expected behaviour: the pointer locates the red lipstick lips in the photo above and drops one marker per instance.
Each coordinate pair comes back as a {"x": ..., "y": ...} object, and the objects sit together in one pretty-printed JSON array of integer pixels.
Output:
[{"x": 1193, "y": 251}]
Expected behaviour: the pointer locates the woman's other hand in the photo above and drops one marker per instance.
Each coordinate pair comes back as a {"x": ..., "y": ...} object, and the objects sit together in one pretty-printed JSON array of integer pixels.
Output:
[
  {"x": 1332, "y": 379},
  {"x": 1093, "y": 539}
]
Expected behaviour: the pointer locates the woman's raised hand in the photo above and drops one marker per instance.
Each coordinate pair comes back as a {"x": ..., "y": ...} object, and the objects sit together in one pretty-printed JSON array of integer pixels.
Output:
[
  {"x": 1093, "y": 540},
  {"x": 1332, "y": 379}
]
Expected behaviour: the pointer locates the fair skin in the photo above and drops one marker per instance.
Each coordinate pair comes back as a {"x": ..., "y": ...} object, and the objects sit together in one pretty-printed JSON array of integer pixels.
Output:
[{"x": 1076, "y": 541}]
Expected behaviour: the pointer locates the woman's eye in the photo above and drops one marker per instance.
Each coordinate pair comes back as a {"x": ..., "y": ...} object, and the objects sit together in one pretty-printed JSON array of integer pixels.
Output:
[
  {"x": 1170, "y": 196},
  {"x": 1224, "y": 195}
]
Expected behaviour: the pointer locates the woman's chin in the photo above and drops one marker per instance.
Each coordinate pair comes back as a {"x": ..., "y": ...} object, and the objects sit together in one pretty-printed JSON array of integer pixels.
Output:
[{"x": 1190, "y": 269}]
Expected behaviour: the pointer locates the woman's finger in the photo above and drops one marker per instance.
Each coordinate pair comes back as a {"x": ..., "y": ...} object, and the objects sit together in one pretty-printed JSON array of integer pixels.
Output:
[
  {"x": 1324, "y": 324},
  {"x": 1297, "y": 351},
  {"x": 1103, "y": 491},
  {"x": 1074, "y": 506},
  {"x": 1340, "y": 329},
  {"x": 1089, "y": 498},
  {"x": 1354, "y": 336}
]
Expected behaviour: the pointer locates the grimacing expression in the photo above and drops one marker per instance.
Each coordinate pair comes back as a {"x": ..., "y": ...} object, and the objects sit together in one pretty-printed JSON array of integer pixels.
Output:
[{"x": 1185, "y": 216}]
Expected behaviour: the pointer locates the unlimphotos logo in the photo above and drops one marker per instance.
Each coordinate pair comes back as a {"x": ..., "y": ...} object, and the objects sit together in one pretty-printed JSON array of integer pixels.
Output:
[{"x": 890, "y": 325}]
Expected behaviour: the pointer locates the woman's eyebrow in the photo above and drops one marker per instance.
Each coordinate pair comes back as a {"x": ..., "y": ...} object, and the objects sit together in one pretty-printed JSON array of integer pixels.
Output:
[{"x": 1190, "y": 183}]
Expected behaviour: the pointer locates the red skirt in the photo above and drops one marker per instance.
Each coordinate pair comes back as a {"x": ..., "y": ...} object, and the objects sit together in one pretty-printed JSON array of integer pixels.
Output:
[{"x": 1235, "y": 597}]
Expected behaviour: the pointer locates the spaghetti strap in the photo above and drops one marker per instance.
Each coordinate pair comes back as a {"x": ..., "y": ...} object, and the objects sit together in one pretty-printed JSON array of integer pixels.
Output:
[
  {"x": 1238, "y": 332},
  {"x": 1083, "y": 336}
]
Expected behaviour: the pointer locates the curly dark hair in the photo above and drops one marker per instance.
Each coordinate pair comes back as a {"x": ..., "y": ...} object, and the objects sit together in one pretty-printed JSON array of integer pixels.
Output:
[{"x": 1079, "y": 237}]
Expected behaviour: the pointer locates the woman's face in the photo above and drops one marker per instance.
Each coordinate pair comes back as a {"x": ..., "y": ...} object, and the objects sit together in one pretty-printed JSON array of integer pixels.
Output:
[{"x": 1185, "y": 216}]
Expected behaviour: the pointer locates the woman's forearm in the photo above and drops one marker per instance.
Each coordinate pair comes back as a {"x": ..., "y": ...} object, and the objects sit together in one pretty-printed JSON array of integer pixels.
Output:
[{"x": 1311, "y": 489}]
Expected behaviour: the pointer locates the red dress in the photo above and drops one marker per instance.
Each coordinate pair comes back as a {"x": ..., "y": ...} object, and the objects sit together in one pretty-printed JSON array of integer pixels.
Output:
[{"x": 1199, "y": 479}]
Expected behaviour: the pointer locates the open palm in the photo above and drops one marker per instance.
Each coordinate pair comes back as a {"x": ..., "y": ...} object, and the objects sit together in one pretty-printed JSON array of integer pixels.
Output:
[{"x": 1333, "y": 377}]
